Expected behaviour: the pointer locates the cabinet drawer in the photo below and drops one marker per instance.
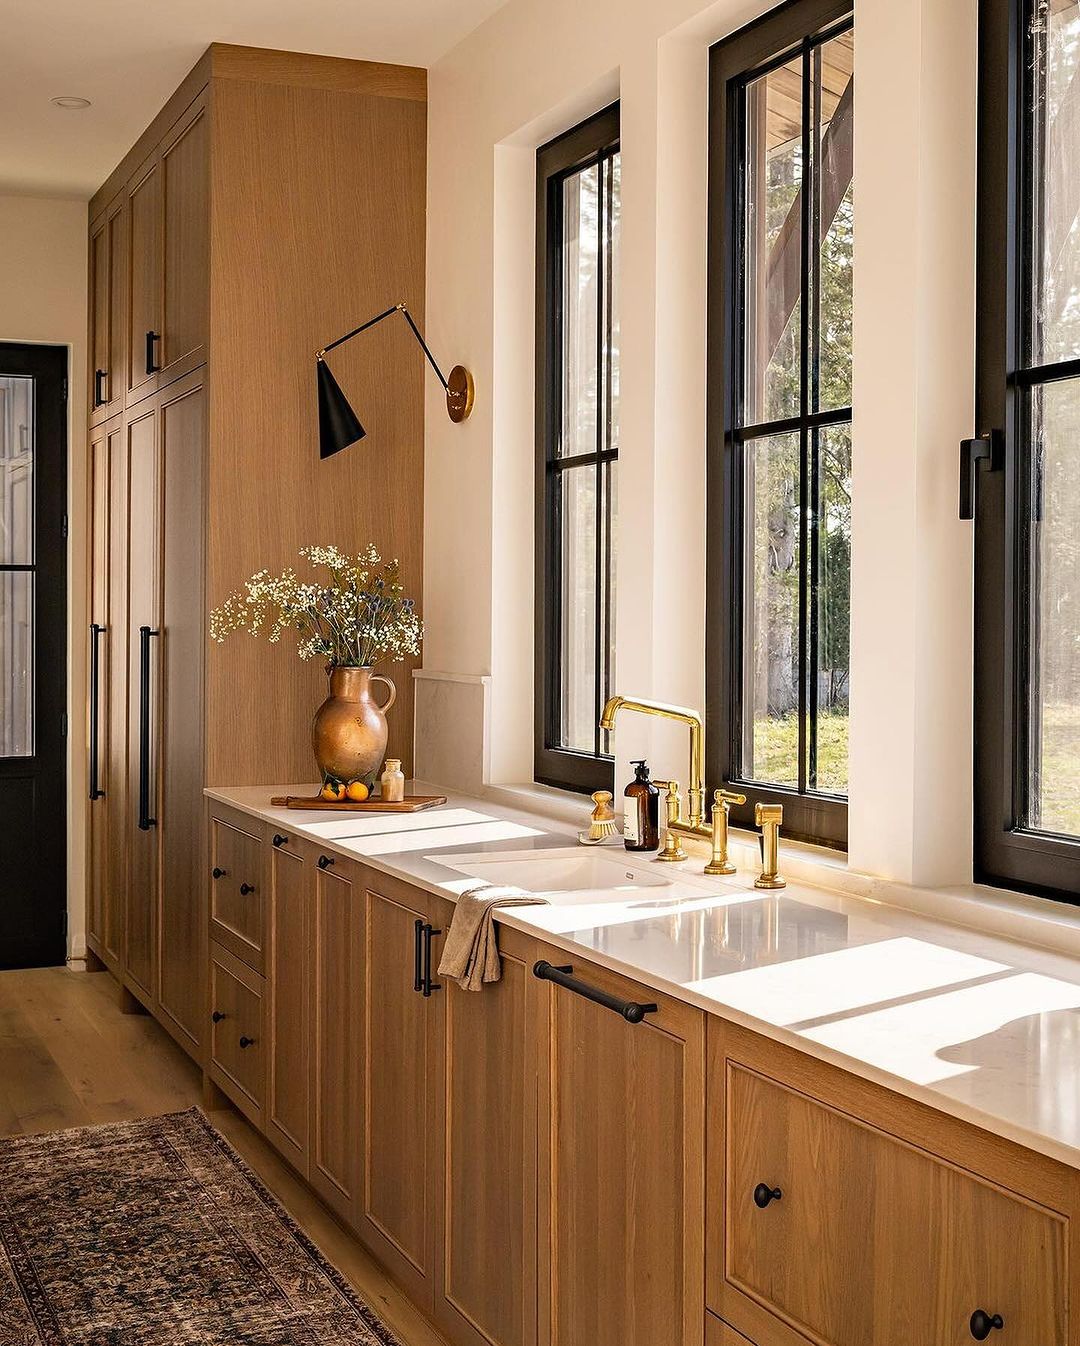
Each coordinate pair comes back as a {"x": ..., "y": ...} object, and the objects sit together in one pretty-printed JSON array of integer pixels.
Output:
[
  {"x": 856, "y": 1238},
  {"x": 717, "y": 1333},
  {"x": 238, "y": 1030},
  {"x": 237, "y": 909}
]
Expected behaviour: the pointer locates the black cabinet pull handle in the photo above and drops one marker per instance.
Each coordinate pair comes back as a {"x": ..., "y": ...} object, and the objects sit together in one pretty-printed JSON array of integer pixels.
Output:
[
  {"x": 279, "y": 840},
  {"x": 427, "y": 985},
  {"x": 100, "y": 375},
  {"x": 418, "y": 955},
  {"x": 152, "y": 366},
  {"x": 325, "y": 861},
  {"x": 246, "y": 888},
  {"x": 630, "y": 1010},
  {"x": 145, "y": 820},
  {"x": 217, "y": 1016},
  {"x": 247, "y": 1042},
  {"x": 218, "y": 872},
  {"x": 983, "y": 1323},
  {"x": 763, "y": 1194},
  {"x": 96, "y": 792}
]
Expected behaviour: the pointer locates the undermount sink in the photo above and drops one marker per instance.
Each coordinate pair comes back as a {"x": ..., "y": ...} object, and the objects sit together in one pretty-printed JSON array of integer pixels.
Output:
[{"x": 555, "y": 871}]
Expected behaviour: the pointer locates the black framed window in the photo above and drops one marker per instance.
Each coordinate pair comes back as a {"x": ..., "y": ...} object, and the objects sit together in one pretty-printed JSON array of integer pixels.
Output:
[
  {"x": 1027, "y": 508},
  {"x": 781, "y": 226},
  {"x": 577, "y": 440}
]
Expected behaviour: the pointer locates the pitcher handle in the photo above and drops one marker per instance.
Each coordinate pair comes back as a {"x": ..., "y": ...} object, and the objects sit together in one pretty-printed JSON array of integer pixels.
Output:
[{"x": 378, "y": 677}]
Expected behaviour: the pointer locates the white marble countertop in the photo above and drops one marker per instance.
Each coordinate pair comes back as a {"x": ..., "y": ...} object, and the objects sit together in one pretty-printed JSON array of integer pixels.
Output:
[{"x": 976, "y": 1025}]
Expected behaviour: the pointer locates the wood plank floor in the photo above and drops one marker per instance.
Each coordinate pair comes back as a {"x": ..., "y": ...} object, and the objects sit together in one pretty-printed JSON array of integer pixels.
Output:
[{"x": 69, "y": 1057}]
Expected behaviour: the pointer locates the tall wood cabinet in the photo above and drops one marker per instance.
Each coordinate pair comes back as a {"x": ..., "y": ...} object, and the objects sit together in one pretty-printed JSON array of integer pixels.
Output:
[{"x": 275, "y": 201}]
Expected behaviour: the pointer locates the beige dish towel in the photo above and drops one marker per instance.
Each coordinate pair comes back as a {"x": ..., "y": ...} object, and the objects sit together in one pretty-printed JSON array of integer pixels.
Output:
[{"x": 471, "y": 952}]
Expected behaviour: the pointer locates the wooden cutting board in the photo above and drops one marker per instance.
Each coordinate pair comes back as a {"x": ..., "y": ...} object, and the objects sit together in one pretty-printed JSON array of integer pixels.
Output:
[{"x": 410, "y": 804}]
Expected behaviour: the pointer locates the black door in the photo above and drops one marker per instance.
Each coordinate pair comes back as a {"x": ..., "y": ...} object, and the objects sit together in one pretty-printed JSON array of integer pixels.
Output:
[{"x": 33, "y": 655}]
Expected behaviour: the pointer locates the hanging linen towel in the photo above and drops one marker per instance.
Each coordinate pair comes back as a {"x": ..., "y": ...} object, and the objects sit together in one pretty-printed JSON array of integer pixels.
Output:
[{"x": 471, "y": 952}]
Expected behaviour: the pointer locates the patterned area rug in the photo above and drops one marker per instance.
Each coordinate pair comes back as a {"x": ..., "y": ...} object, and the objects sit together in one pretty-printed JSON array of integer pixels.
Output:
[{"x": 155, "y": 1233}]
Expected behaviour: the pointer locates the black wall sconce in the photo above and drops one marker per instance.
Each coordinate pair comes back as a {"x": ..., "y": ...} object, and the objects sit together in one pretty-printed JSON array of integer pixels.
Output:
[{"x": 339, "y": 425}]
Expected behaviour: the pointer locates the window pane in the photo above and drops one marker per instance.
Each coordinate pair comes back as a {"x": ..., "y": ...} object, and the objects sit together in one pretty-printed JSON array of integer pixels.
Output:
[
  {"x": 773, "y": 244},
  {"x": 610, "y": 487},
  {"x": 1055, "y": 578},
  {"x": 576, "y": 491},
  {"x": 16, "y": 470},
  {"x": 834, "y": 223},
  {"x": 16, "y": 663},
  {"x": 580, "y": 294},
  {"x": 611, "y": 280},
  {"x": 771, "y": 611},
  {"x": 1056, "y": 205},
  {"x": 829, "y": 757}
]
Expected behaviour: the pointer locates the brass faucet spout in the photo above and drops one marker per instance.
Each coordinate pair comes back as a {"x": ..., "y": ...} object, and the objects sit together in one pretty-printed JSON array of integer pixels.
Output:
[{"x": 696, "y": 785}]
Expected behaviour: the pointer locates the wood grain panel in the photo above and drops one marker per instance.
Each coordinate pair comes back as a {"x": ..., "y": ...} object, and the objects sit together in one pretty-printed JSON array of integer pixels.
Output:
[
  {"x": 486, "y": 1289},
  {"x": 182, "y": 940},
  {"x": 238, "y": 919},
  {"x": 718, "y": 1333},
  {"x": 337, "y": 1055},
  {"x": 237, "y": 997},
  {"x": 289, "y": 895},
  {"x": 331, "y": 73},
  {"x": 318, "y": 222},
  {"x": 115, "y": 661},
  {"x": 621, "y": 1208},
  {"x": 144, "y": 272},
  {"x": 97, "y": 527},
  {"x": 185, "y": 207}
]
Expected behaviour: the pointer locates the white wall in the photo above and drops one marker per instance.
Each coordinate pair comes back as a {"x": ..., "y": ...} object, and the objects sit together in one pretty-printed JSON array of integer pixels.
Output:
[
  {"x": 43, "y": 299},
  {"x": 535, "y": 68}
]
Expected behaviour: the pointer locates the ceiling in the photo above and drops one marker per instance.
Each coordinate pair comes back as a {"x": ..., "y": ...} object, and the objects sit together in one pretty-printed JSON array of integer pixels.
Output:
[{"x": 127, "y": 56}]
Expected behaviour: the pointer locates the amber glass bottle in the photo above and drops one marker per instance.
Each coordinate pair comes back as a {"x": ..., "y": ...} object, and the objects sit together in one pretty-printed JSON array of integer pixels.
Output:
[{"x": 641, "y": 812}]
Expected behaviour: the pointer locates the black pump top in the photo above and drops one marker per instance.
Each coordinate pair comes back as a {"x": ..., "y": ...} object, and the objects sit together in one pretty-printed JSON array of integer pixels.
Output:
[{"x": 641, "y": 770}]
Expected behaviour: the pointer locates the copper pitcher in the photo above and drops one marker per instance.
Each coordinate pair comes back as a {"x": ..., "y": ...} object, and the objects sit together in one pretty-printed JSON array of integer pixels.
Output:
[{"x": 349, "y": 731}]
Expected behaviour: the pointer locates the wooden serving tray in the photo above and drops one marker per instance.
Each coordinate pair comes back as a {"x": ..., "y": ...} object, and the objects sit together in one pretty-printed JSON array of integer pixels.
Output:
[{"x": 410, "y": 804}]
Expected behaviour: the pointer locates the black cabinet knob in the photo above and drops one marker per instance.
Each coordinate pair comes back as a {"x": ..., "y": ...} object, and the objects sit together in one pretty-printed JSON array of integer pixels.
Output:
[
  {"x": 983, "y": 1323},
  {"x": 246, "y": 888},
  {"x": 217, "y": 872},
  {"x": 279, "y": 840},
  {"x": 764, "y": 1194},
  {"x": 247, "y": 1042},
  {"x": 325, "y": 861},
  {"x": 217, "y": 1016}
]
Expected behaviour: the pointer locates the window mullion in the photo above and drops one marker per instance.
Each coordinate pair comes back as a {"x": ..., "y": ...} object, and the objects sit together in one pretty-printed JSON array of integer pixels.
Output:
[{"x": 804, "y": 407}]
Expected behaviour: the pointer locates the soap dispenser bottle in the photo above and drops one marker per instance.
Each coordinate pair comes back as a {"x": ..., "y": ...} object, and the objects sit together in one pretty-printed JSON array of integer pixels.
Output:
[{"x": 641, "y": 811}]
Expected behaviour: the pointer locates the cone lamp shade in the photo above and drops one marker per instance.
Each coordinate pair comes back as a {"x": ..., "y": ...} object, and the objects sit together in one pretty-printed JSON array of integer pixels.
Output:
[{"x": 339, "y": 425}]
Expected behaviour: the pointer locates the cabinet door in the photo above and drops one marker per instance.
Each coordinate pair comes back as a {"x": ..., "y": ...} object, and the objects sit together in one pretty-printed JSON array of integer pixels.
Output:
[
  {"x": 486, "y": 1284},
  {"x": 397, "y": 1214},
  {"x": 144, "y": 333},
  {"x": 143, "y": 577},
  {"x": 237, "y": 1032},
  {"x": 185, "y": 200},
  {"x": 718, "y": 1333},
  {"x": 108, "y": 293},
  {"x": 337, "y": 999},
  {"x": 237, "y": 906},
  {"x": 289, "y": 899},
  {"x": 181, "y": 416},
  {"x": 621, "y": 1204}
]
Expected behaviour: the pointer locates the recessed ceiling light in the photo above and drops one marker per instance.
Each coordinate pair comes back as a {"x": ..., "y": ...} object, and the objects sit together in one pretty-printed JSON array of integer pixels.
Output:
[{"x": 70, "y": 102}]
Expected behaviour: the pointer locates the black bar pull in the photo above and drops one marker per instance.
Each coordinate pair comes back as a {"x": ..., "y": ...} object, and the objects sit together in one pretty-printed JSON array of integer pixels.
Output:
[
  {"x": 145, "y": 820},
  {"x": 630, "y": 1010},
  {"x": 96, "y": 792},
  {"x": 427, "y": 985},
  {"x": 152, "y": 366},
  {"x": 985, "y": 448},
  {"x": 100, "y": 375},
  {"x": 983, "y": 1323},
  {"x": 418, "y": 955}
]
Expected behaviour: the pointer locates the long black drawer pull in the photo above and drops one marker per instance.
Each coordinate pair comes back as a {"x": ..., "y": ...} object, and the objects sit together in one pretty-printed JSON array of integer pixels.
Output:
[
  {"x": 630, "y": 1010},
  {"x": 418, "y": 955},
  {"x": 152, "y": 366},
  {"x": 145, "y": 820},
  {"x": 983, "y": 1323},
  {"x": 96, "y": 792},
  {"x": 763, "y": 1194},
  {"x": 100, "y": 375},
  {"x": 427, "y": 985}
]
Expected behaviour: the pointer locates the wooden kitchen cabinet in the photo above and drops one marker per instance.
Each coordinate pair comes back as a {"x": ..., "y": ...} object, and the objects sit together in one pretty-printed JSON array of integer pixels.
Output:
[
  {"x": 144, "y": 262},
  {"x": 837, "y": 1229},
  {"x": 288, "y": 885},
  {"x": 621, "y": 1191},
  {"x": 238, "y": 1046},
  {"x": 107, "y": 287},
  {"x": 237, "y": 907}
]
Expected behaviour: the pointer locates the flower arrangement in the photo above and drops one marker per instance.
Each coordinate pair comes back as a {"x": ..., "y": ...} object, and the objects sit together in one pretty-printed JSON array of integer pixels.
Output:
[{"x": 358, "y": 618}]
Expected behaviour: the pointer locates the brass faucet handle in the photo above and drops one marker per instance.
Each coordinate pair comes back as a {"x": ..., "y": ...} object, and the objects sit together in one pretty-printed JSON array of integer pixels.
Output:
[
  {"x": 769, "y": 815},
  {"x": 719, "y": 863},
  {"x": 672, "y": 848},
  {"x": 728, "y": 797}
]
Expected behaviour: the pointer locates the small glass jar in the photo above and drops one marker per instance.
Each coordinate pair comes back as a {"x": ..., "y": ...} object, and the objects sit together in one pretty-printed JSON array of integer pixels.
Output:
[{"x": 393, "y": 782}]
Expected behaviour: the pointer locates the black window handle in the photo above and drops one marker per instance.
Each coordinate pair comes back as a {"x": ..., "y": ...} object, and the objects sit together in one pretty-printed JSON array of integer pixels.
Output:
[
  {"x": 217, "y": 1016},
  {"x": 630, "y": 1010},
  {"x": 100, "y": 375},
  {"x": 982, "y": 1324},
  {"x": 246, "y": 888},
  {"x": 764, "y": 1194},
  {"x": 280, "y": 840},
  {"x": 427, "y": 985},
  {"x": 145, "y": 820},
  {"x": 152, "y": 366},
  {"x": 986, "y": 448},
  {"x": 325, "y": 861},
  {"x": 218, "y": 873},
  {"x": 96, "y": 792},
  {"x": 247, "y": 1042}
]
